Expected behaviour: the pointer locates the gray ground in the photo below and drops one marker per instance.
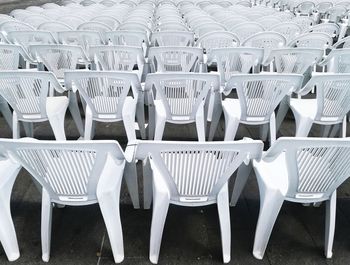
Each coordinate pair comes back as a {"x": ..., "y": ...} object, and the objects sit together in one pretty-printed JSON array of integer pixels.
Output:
[{"x": 191, "y": 235}]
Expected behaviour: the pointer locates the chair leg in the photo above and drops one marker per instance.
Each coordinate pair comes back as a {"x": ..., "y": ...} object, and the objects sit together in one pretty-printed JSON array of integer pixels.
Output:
[
  {"x": 74, "y": 110},
  {"x": 130, "y": 176},
  {"x": 8, "y": 238},
  {"x": 29, "y": 129},
  {"x": 263, "y": 131},
  {"x": 241, "y": 179},
  {"x": 160, "y": 210},
  {"x": 270, "y": 204},
  {"x": 201, "y": 123},
  {"x": 225, "y": 225},
  {"x": 343, "y": 129},
  {"x": 46, "y": 222},
  {"x": 281, "y": 112},
  {"x": 57, "y": 124},
  {"x": 15, "y": 126},
  {"x": 6, "y": 112},
  {"x": 272, "y": 129},
  {"x": 140, "y": 115},
  {"x": 231, "y": 126},
  {"x": 147, "y": 184},
  {"x": 159, "y": 127},
  {"x": 215, "y": 118},
  {"x": 109, "y": 205},
  {"x": 303, "y": 126},
  {"x": 331, "y": 205},
  {"x": 88, "y": 124}
]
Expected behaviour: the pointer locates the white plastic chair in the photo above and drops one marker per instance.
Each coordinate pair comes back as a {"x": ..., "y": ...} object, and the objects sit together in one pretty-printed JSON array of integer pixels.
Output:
[
  {"x": 118, "y": 58},
  {"x": 330, "y": 106},
  {"x": 312, "y": 40},
  {"x": 246, "y": 29},
  {"x": 72, "y": 21},
  {"x": 94, "y": 26},
  {"x": 27, "y": 92},
  {"x": 107, "y": 100},
  {"x": 172, "y": 38},
  {"x": 258, "y": 96},
  {"x": 54, "y": 26},
  {"x": 220, "y": 39},
  {"x": 211, "y": 164},
  {"x": 289, "y": 30},
  {"x": 337, "y": 61},
  {"x": 304, "y": 22},
  {"x": 301, "y": 170},
  {"x": 58, "y": 59},
  {"x": 175, "y": 59},
  {"x": 14, "y": 25},
  {"x": 107, "y": 20},
  {"x": 127, "y": 38},
  {"x": 330, "y": 29},
  {"x": 172, "y": 26},
  {"x": 73, "y": 173},
  {"x": 82, "y": 38},
  {"x": 179, "y": 98}
]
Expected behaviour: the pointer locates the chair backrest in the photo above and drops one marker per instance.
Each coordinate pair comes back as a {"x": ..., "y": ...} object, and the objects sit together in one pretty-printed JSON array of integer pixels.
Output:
[
  {"x": 172, "y": 26},
  {"x": 94, "y": 26},
  {"x": 331, "y": 29},
  {"x": 134, "y": 26},
  {"x": 54, "y": 26},
  {"x": 332, "y": 94},
  {"x": 246, "y": 29},
  {"x": 26, "y": 91},
  {"x": 107, "y": 20},
  {"x": 289, "y": 30},
  {"x": 172, "y": 38},
  {"x": 239, "y": 60},
  {"x": 35, "y": 20},
  {"x": 58, "y": 58},
  {"x": 312, "y": 40},
  {"x": 260, "y": 94},
  {"x": 26, "y": 38},
  {"x": 195, "y": 172},
  {"x": 10, "y": 56},
  {"x": 82, "y": 38},
  {"x": 343, "y": 43},
  {"x": 338, "y": 61},
  {"x": 117, "y": 58},
  {"x": 103, "y": 92},
  {"x": 72, "y": 21},
  {"x": 266, "y": 40},
  {"x": 14, "y": 26},
  {"x": 304, "y": 22},
  {"x": 295, "y": 60},
  {"x": 182, "y": 93},
  {"x": 69, "y": 171},
  {"x": 127, "y": 37},
  {"x": 268, "y": 22},
  {"x": 175, "y": 59},
  {"x": 219, "y": 39},
  {"x": 209, "y": 27},
  {"x": 316, "y": 166}
]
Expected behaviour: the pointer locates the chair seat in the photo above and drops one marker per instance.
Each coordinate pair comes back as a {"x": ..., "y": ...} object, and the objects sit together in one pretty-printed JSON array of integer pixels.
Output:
[{"x": 305, "y": 107}]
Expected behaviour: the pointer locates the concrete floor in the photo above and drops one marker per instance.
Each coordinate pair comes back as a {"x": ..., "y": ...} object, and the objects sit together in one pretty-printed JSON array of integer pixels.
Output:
[{"x": 191, "y": 235}]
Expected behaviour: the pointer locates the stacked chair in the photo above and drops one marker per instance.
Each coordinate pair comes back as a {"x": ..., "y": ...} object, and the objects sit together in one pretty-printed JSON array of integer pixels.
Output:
[{"x": 146, "y": 63}]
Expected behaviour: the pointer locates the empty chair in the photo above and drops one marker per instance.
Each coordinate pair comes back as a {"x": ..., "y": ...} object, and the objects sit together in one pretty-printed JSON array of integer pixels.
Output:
[
  {"x": 94, "y": 26},
  {"x": 54, "y": 26},
  {"x": 175, "y": 59},
  {"x": 258, "y": 96},
  {"x": 289, "y": 30},
  {"x": 118, "y": 58},
  {"x": 179, "y": 98},
  {"x": 26, "y": 38},
  {"x": 134, "y": 26},
  {"x": 35, "y": 21},
  {"x": 73, "y": 173},
  {"x": 8, "y": 26},
  {"x": 27, "y": 92},
  {"x": 106, "y": 97},
  {"x": 305, "y": 8},
  {"x": 127, "y": 38},
  {"x": 337, "y": 61},
  {"x": 10, "y": 56},
  {"x": 267, "y": 40},
  {"x": 269, "y": 21},
  {"x": 330, "y": 106},
  {"x": 246, "y": 29},
  {"x": 204, "y": 28},
  {"x": 304, "y": 22},
  {"x": 72, "y": 21},
  {"x": 82, "y": 38},
  {"x": 172, "y": 26},
  {"x": 312, "y": 40},
  {"x": 192, "y": 174},
  {"x": 330, "y": 29},
  {"x": 172, "y": 38},
  {"x": 220, "y": 39},
  {"x": 107, "y": 20},
  {"x": 301, "y": 170}
]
